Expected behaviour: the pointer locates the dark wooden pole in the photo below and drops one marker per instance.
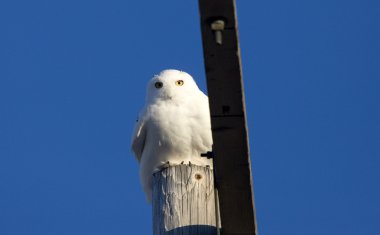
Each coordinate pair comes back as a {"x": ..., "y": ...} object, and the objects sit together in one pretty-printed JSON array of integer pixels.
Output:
[{"x": 228, "y": 117}]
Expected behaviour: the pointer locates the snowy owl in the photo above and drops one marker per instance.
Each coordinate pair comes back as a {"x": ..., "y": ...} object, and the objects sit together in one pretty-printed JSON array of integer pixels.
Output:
[{"x": 173, "y": 127}]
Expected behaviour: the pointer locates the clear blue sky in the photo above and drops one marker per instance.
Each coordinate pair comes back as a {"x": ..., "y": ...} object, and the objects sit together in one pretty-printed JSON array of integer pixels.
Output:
[{"x": 72, "y": 80}]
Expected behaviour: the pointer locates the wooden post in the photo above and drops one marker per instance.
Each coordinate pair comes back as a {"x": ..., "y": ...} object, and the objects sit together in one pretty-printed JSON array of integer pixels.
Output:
[
  {"x": 184, "y": 201},
  {"x": 225, "y": 89}
]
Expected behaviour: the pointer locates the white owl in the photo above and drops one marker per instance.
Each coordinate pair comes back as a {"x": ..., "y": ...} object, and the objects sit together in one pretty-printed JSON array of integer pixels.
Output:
[{"x": 174, "y": 126}]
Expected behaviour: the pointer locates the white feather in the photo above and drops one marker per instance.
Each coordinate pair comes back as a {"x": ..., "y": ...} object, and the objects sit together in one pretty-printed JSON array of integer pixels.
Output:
[{"x": 174, "y": 126}]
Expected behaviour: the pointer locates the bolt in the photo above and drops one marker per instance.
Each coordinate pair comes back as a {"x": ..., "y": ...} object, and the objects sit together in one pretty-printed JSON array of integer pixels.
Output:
[{"x": 218, "y": 26}]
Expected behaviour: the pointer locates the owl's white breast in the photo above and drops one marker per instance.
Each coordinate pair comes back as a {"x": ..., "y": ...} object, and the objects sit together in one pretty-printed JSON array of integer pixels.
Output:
[{"x": 178, "y": 131}]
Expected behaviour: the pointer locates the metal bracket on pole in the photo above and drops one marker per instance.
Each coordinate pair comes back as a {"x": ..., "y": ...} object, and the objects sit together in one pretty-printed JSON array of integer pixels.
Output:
[{"x": 209, "y": 155}]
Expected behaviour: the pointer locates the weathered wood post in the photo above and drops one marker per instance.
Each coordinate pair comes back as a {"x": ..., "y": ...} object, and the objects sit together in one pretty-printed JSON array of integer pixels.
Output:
[{"x": 184, "y": 201}]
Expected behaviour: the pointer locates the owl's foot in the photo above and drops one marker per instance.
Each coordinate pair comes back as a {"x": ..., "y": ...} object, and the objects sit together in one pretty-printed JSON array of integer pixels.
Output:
[{"x": 163, "y": 166}]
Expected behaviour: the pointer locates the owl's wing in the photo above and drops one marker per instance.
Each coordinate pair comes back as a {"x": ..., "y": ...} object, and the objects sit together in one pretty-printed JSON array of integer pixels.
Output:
[{"x": 138, "y": 138}]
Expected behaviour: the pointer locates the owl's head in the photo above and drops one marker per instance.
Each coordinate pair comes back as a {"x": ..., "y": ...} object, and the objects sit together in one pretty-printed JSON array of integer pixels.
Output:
[{"x": 171, "y": 85}]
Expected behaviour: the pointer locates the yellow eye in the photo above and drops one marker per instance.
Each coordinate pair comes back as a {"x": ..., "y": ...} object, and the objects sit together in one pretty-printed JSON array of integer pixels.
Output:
[{"x": 179, "y": 82}]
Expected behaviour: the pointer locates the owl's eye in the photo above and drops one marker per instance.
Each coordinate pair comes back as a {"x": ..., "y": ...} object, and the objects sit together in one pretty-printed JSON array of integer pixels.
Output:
[
  {"x": 158, "y": 85},
  {"x": 179, "y": 82}
]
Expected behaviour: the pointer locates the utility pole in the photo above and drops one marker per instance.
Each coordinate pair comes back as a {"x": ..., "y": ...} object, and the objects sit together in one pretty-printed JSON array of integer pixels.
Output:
[{"x": 232, "y": 164}]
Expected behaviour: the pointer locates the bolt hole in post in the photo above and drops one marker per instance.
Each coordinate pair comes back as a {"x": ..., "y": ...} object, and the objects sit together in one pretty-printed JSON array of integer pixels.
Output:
[{"x": 198, "y": 176}]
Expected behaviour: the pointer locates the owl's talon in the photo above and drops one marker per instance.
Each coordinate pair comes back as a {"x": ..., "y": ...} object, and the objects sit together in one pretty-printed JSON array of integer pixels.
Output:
[{"x": 164, "y": 165}]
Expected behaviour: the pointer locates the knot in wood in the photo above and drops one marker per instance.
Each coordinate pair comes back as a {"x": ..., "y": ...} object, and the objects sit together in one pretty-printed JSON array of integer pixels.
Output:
[{"x": 198, "y": 176}]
